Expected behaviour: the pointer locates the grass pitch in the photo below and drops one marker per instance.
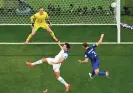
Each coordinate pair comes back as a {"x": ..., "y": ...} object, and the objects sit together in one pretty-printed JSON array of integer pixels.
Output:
[{"x": 16, "y": 77}]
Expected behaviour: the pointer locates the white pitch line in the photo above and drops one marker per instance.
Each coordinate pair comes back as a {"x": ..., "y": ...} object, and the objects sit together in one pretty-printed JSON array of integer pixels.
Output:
[
  {"x": 76, "y": 24},
  {"x": 50, "y": 43}
]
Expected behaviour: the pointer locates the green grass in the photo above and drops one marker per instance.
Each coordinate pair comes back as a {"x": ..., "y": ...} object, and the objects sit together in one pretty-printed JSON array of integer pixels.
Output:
[
  {"x": 129, "y": 3},
  {"x": 126, "y": 34},
  {"x": 16, "y": 77},
  {"x": 64, "y": 33}
]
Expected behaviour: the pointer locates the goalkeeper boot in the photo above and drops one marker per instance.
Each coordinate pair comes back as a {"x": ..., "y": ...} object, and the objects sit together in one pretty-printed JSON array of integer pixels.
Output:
[{"x": 27, "y": 41}]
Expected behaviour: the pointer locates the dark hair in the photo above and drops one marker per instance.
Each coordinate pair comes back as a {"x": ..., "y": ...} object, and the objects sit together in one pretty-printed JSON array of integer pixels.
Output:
[
  {"x": 85, "y": 44},
  {"x": 67, "y": 45}
]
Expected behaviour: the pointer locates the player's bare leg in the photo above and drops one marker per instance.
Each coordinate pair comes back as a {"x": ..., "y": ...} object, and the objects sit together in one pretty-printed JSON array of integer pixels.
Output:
[
  {"x": 59, "y": 78},
  {"x": 45, "y": 91},
  {"x": 96, "y": 71},
  {"x": 37, "y": 62},
  {"x": 52, "y": 34},
  {"x": 30, "y": 35}
]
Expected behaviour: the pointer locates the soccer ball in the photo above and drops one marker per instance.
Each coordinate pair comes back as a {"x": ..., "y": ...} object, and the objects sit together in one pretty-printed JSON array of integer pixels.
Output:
[{"x": 113, "y": 5}]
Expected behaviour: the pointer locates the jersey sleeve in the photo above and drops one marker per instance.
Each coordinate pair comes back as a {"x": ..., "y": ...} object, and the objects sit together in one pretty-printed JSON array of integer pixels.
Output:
[
  {"x": 86, "y": 56},
  {"x": 65, "y": 55},
  {"x": 33, "y": 17},
  {"x": 47, "y": 17},
  {"x": 94, "y": 46}
]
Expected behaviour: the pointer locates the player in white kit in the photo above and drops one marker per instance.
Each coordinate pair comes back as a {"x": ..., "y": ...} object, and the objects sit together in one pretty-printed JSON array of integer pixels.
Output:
[{"x": 55, "y": 62}]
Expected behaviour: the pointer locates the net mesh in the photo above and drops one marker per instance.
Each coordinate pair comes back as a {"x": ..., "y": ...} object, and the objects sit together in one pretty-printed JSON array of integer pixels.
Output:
[{"x": 60, "y": 11}]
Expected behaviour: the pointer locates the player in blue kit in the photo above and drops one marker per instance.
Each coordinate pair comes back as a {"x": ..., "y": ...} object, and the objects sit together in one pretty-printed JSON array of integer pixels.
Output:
[{"x": 91, "y": 54}]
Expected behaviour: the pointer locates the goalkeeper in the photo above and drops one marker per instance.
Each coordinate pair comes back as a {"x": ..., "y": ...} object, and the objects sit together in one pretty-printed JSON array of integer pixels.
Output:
[{"x": 40, "y": 20}]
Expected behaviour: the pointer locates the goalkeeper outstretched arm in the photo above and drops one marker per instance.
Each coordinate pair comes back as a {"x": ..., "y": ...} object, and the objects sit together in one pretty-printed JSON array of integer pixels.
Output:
[{"x": 48, "y": 21}]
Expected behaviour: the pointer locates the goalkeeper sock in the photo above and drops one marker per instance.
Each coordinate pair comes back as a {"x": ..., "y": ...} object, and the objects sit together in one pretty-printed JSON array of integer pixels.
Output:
[
  {"x": 52, "y": 34},
  {"x": 37, "y": 62},
  {"x": 29, "y": 37},
  {"x": 62, "y": 81}
]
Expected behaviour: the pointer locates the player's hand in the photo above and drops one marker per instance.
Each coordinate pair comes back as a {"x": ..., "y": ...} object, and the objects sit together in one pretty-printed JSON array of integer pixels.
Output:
[
  {"x": 50, "y": 25},
  {"x": 102, "y": 35},
  {"x": 32, "y": 25},
  {"x": 59, "y": 42}
]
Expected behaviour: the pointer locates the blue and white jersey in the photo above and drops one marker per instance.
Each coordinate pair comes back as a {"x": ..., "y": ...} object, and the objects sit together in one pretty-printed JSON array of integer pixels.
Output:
[
  {"x": 62, "y": 54},
  {"x": 91, "y": 53}
]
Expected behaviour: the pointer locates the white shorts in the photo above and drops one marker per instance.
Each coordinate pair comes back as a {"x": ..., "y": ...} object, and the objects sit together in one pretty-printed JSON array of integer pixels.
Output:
[{"x": 56, "y": 67}]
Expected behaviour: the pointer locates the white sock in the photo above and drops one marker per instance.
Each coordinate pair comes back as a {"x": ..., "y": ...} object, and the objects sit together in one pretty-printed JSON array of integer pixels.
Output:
[
  {"x": 62, "y": 81},
  {"x": 37, "y": 62}
]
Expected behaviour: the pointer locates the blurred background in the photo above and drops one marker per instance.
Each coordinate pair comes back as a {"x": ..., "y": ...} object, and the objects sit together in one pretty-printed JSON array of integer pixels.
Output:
[{"x": 127, "y": 18}]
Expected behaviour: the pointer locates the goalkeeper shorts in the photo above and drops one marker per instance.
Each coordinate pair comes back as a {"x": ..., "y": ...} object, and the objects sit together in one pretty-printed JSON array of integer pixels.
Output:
[{"x": 37, "y": 26}]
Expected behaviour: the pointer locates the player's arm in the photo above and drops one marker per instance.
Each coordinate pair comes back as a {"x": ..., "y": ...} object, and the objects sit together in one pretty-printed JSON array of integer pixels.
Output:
[
  {"x": 59, "y": 44},
  {"x": 49, "y": 23},
  {"x": 83, "y": 61},
  {"x": 60, "y": 61},
  {"x": 47, "y": 19},
  {"x": 100, "y": 40},
  {"x": 65, "y": 55},
  {"x": 32, "y": 18}
]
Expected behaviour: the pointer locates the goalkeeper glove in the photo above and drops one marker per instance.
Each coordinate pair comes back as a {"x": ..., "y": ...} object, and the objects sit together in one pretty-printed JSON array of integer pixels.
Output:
[
  {"x": 49, "y": 23},
  {"x": 32, "y": 24}
]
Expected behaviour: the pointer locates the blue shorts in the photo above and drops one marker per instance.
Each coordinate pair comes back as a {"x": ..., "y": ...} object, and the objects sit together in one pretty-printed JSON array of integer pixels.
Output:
[{"x": 95, "y": 65}]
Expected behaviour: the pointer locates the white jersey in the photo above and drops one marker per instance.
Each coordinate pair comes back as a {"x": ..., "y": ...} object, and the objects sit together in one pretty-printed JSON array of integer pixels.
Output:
[
  {"x": 51, "y": 61},
  {"x": 61, "y": 54}
]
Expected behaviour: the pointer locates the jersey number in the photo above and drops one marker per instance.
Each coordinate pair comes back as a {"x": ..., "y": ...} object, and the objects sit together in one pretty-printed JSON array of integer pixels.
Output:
[{"x": 93, "y": 52}]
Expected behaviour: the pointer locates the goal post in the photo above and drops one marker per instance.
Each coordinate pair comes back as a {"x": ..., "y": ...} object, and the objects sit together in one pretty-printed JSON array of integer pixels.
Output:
[
  {"x": 62, "y": 12},
  {"x": 118, "y": 19}
]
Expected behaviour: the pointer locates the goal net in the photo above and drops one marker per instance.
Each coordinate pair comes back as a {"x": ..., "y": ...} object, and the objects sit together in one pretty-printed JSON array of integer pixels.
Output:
[{"x": 60, "y": 11}]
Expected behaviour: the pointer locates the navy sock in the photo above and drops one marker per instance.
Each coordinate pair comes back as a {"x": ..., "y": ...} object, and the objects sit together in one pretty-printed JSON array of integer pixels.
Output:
[
  {"x": 92, "y": 73},
  {"x": 102, "y": 73}
]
